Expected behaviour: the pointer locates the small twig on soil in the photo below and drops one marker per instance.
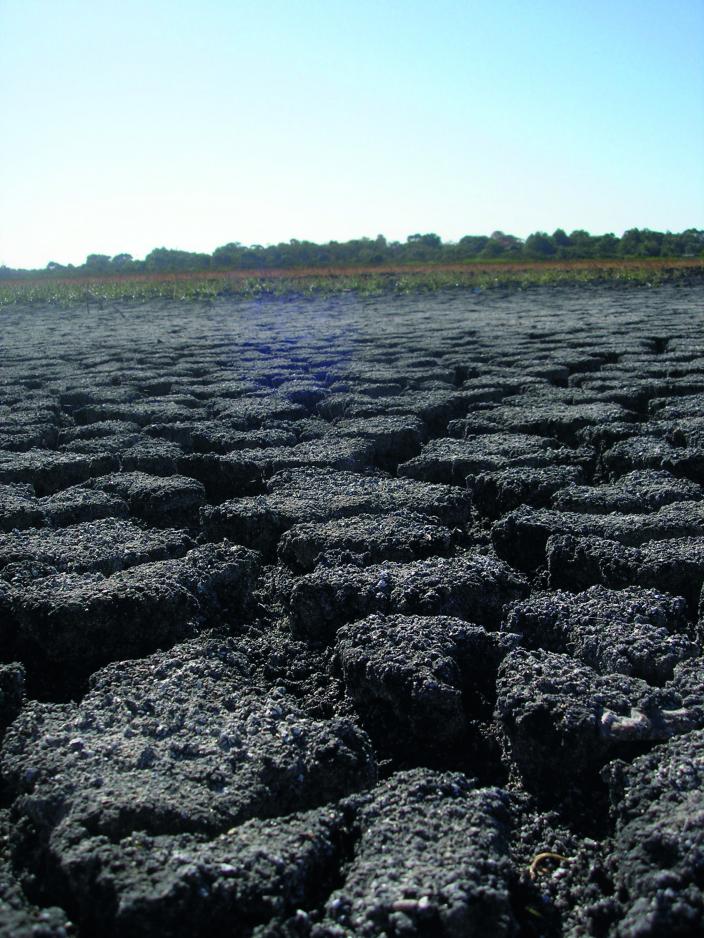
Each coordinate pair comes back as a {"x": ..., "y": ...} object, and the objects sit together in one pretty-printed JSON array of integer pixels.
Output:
[{"x": 540, "y": 858}]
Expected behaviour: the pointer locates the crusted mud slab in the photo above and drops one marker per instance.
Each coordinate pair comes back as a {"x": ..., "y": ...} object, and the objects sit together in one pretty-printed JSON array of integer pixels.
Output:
[{"x": 354, "y": 617}]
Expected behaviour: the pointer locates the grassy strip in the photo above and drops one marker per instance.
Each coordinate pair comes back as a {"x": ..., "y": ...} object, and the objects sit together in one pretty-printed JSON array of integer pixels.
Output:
[{"x": 313, "y": 283}]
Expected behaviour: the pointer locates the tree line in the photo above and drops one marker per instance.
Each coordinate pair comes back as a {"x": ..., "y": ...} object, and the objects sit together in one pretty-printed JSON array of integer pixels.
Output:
[{"x": 417, "y": 248}]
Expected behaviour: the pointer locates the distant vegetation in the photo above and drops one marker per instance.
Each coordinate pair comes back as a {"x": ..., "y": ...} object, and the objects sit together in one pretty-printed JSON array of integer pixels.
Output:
[
  {"x": 105, "y": 290},
  {"x": 425, "y": 249}
]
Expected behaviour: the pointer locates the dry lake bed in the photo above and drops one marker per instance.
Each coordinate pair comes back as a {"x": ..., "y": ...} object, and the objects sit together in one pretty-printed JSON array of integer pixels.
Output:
[{"x": 354, "y": 616}]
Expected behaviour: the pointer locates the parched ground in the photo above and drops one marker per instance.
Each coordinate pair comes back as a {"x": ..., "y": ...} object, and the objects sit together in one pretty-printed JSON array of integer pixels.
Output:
[{"x": 353, "y": 616}]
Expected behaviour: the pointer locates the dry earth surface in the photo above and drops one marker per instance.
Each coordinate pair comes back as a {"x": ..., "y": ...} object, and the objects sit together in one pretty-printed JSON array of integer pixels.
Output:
[{"x": 347, "y": 616}]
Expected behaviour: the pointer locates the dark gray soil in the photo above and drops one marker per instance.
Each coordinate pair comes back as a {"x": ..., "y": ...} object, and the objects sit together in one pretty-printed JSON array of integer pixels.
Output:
[{"x": 324, "y": 618}]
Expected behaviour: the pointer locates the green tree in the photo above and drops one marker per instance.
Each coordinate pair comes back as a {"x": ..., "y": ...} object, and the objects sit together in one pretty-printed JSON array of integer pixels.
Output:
[
  {"x": 651, "y": 243},
  {"x": 493, "y": 248},
  {"x": 97, "y": 263},
  {"x": 539, "y": 244},
  {"x": 228, "y": 256},
  {"x": 630, "y": 243},
  {"x": 422, "y": 247},
  {"x": 692, "y": 242},
  {"x": 582, "y": 243},
  {"x": 472, "y": 245},
  {"x": 606, "y": 246},
  {"x": 167, "y": 260}
]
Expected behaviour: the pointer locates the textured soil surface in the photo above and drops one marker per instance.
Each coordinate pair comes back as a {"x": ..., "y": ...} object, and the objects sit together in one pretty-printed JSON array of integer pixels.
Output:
[{"x": 337, "y": 617}]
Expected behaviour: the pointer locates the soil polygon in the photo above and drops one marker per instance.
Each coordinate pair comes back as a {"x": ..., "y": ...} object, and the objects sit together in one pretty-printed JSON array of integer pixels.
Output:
[
  {"x": 367, "y": 539},
  {"x": 473, "y": 587},
  {"x": 419, "y": 681},
  {"x": 302, "y": 495}
]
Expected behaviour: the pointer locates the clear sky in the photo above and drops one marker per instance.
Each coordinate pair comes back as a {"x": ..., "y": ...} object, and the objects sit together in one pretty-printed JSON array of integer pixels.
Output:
[{"x": 189, "y": 123}]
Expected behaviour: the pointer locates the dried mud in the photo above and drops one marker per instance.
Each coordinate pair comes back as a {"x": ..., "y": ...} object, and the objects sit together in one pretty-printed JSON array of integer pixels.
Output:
[{"x": 353, "y": 616}]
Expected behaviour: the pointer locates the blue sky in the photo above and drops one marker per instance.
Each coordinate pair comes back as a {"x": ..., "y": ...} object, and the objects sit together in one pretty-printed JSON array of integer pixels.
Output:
[{"x": 135, "y": 124}]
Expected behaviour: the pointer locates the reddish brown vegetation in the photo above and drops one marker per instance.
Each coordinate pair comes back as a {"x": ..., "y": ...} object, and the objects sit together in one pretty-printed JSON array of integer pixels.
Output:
[{"x": 474, "y": 267}]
